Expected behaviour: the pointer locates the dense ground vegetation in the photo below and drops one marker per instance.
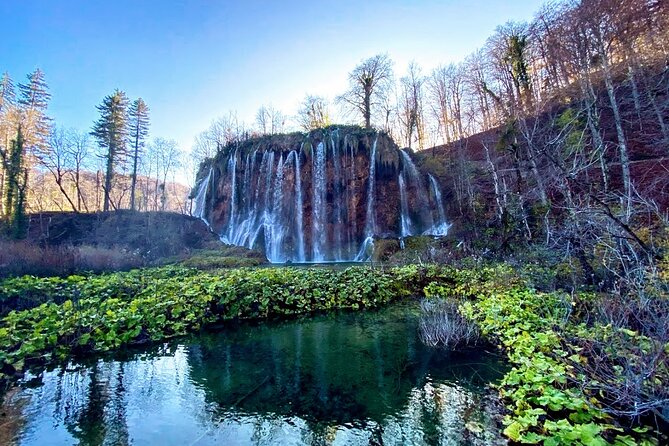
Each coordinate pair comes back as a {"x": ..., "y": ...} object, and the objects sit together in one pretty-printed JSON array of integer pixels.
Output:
[
  {"x": 576, "y": 378},
  {"x": 96, "y": 313}
]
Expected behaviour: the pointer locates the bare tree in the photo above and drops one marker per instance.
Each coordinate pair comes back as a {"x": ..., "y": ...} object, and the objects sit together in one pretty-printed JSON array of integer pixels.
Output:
[
  {"x": 166, "y": 157},
  {"x": 480, "y": 98},
  {"x": 369, "y": 83},
  {"x": 57, "y": 159},
  {"x": 313, "y": 113},
  {"x": 203, "y": 148},
  {"x": 410, "y": 106},
  {"x": 270, "y": 120},
  {"x": 225, "y": 130},
  {"x": 79, "y": 151},
  {"x": 446, "y": 88}
]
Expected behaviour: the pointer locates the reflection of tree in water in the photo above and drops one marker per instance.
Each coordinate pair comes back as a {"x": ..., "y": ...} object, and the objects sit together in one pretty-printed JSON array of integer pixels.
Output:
[
  {"x": 356, "y": 379},
  {"x": 353, "y": 370},
  {"x": 12, "y": 418},
  {"x": 102, "y": 419},
  {"x": 321, "y": 371}
]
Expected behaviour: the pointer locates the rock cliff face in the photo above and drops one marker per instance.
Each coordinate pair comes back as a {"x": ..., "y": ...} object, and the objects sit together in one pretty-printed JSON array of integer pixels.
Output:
[{"x": 317, "y": 197}]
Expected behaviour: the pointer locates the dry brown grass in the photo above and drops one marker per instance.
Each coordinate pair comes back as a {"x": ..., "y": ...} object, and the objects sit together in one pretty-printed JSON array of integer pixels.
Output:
[{"x": 22, "y": 257}]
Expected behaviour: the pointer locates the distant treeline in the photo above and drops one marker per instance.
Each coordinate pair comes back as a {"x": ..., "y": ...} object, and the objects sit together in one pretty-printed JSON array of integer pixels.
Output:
[{"x": 45, "y": 167}]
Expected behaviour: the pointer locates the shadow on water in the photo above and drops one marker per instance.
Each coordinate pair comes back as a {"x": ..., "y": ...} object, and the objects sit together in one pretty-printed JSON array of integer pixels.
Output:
[{"x": 351, "y": 378}]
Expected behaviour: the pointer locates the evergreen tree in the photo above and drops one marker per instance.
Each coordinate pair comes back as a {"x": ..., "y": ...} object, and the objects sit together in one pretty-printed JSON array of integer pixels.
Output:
[
  {"x": 110, "y": 131},
  {"x": 138, "y": 117},
  {"x": 19, "y": 220},
  {"x": 35, "y": 94},
  {"x": 16, "y": 182},
  {"x": 7, "y": 129},
  {"x": 34, "y": 99},
  {"x": 7, "y": 92}
]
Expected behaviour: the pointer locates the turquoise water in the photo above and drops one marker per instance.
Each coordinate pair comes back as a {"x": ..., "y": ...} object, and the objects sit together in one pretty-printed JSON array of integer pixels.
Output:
[{"x": 362, "y": 378}]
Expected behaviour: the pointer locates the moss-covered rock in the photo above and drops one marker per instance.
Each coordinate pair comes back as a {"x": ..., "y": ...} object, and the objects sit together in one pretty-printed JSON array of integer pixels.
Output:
[{"x": 384, "y": 249}]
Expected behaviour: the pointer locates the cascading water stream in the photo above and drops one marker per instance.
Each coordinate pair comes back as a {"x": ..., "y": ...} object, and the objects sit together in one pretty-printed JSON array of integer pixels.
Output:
[
  {"x": 232, "y": 168},
  {"x": 201, "y": 197},
  {"x": 299, "y": 209},
  {"x": 441, "y": 226},
  {"x": 349, "y": 176},
  {"x": 274, "y": 230},
  {"x": 413, "y": 179},
  {"x": 406, "y": 226},
  {"x": 337, "y": 185},
  {"x": 318, "y": 173},
  {"x": 370, "y": 217}
]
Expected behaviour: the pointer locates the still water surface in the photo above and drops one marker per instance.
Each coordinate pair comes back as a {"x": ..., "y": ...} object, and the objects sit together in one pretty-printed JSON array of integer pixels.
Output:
[{"x": 344, "y": 379}]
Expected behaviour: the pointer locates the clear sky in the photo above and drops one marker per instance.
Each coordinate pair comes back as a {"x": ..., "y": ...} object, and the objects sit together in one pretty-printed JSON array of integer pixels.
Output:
[{"x": 192, "y": 61}]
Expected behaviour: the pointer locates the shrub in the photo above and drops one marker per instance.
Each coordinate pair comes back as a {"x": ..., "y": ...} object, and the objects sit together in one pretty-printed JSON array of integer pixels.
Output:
[
  {"x": 94, "y": 259},
  {"x": 442, "y": 325},
  {"x": 545, "y": 390}
]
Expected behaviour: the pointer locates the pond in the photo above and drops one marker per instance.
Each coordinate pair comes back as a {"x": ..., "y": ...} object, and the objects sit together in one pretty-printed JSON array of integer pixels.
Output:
[{"x": 348, "y": 378}]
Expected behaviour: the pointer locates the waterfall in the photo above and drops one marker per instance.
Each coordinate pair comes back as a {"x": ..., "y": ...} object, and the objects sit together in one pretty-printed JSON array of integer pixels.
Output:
[
  {"x": 232, "y": 167},
  {"x": 274, "y": 229},
  {"x": 299, "y": 205},
  {"x": 412, "y": 176},
  {"x": 355, "y": 190},
  {"x": 265, "y": 186},
  {"x": 261, "y": 208},
  {"x": 246, "y": 185},
  {"x": 370, "y": 217},
  {"x": 406, "y": 228},
  {"x": 337, "y": 184},
  {"x": 349, "y": 176},
  {"x": 441, "y": 226},
  {"x": 318, "y": 222},
  {"x": 201, "y": 197}
]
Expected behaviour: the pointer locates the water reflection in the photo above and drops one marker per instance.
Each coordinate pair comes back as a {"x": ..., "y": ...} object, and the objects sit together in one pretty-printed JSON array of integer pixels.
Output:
[{"x": 347, "y": 379}]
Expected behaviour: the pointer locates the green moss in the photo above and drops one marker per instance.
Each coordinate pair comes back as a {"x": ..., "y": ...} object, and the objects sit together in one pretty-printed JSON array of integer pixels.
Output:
[
  {"x": 384, "y": 249},
  {"x": 209, "y": 263},
  {"x": 226, "y": 256}
]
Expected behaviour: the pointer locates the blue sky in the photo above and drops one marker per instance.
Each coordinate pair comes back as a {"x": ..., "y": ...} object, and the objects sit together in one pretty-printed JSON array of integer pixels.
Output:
[{"x": 192, "y": 61}]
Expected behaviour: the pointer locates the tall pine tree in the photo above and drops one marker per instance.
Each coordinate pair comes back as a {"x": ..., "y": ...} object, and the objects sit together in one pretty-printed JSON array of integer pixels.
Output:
[
  {"x": 111, "y": 131},
  {"x": 24, "y": 130},
  {"x": 7, "y": 92},
  {"x": 34, "y": 99},
  {"x": 138, "y": 117}
]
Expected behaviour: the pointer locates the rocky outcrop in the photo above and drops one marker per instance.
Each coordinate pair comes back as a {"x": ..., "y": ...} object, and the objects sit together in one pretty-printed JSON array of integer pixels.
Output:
[{"x": 322, "y": 196}]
